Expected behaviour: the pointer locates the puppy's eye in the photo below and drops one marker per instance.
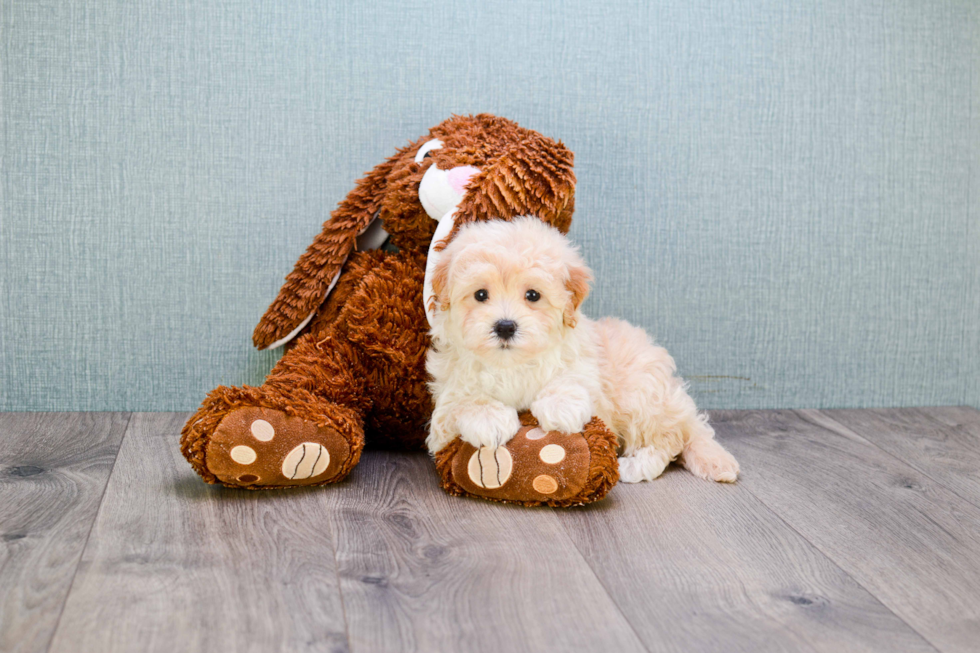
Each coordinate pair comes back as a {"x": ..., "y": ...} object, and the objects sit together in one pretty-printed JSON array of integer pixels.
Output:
[
  {"x": 532, "y": 295},
  {"x": 481, "y": 295}
]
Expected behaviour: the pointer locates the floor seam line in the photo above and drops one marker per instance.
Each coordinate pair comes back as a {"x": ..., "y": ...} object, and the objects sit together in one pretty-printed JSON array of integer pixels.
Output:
[
  {"x": 831, "y": 559},
  {"x": 340, "y": 591},
  {"x": 605, "y": 589},
  {"x": 893, "y": 456},
  {"x": 88, "y": 534},
  {"x": 842, "y": 570}
]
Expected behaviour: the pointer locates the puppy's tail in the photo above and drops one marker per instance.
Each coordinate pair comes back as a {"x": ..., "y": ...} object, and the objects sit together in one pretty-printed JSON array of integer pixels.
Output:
[{"x": 707, "y": 459}]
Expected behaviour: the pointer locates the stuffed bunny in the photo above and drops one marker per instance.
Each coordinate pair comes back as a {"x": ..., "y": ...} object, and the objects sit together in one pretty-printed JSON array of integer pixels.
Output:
[{"x": 354, "y": 321}]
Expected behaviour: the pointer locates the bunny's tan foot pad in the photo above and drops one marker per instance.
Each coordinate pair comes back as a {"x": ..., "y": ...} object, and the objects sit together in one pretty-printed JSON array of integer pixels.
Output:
[
  {"x": 261, "y": 448},
  {"x": 534, "y": 468}
]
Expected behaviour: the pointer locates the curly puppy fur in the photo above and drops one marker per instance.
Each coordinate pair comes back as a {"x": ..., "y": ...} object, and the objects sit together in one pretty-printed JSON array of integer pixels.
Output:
[{"x": 509, "y": 336}]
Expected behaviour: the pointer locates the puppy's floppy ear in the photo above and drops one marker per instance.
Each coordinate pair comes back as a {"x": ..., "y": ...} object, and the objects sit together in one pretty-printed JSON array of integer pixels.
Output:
[
  {"x": 579, "y": 278},
  {"x": 440, "y": 283}
]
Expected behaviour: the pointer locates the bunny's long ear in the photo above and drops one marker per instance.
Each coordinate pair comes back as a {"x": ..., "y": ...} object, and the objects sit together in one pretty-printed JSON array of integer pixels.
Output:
[{"x": 354, "y": 222}]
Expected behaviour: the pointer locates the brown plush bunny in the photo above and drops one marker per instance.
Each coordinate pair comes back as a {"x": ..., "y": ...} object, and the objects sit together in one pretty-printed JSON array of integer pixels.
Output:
[{"x": 355, "y": 326}]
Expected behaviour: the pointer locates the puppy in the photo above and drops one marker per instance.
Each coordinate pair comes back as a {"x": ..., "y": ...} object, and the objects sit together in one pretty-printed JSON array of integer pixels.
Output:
[{"x": 508, "y": 335}]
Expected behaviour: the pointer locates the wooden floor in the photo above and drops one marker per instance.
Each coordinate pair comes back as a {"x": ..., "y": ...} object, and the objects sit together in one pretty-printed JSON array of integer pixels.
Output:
[{"x": 849, "y": 530}]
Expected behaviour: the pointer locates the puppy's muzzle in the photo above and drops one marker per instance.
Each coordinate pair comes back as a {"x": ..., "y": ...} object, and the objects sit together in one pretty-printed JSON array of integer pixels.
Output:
[{"x": 505, "y": 329}]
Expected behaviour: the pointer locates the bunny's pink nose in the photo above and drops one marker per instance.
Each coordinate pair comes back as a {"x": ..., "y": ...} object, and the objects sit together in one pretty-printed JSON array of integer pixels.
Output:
[{"x": 459, "y": 177}]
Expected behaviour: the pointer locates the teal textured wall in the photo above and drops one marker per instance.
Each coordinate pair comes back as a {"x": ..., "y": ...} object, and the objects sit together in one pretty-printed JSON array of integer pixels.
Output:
[{"x": 784, "y": 192}]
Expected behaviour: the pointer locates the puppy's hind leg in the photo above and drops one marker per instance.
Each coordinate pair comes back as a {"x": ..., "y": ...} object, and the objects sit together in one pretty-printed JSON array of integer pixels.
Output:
[
  {"x": 704, "y": 457},
  {"x": 644, "y": 464}
]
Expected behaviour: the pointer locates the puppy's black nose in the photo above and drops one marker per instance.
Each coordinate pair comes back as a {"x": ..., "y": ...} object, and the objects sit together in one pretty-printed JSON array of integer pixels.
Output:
[{"x": 505, "y": 329}]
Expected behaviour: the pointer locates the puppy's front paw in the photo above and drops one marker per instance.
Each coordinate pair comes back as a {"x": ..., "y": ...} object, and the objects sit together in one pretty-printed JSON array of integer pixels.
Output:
[
  {"x": 487, "y": 425},
  {"x": 564, "y": 413}
]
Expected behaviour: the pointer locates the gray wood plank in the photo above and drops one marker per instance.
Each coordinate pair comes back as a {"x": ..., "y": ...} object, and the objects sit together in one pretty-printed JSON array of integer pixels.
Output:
[
  {"x": 699, "y": 566},
  {"x": 174, "y": 564},
  {"x": 53, "y": 470},
  {"x": 942, "y": 443},
  {"x": 953, "y": 415},
  {"x": 908, "y": 540},
  {"x": 424, "y": 571}
]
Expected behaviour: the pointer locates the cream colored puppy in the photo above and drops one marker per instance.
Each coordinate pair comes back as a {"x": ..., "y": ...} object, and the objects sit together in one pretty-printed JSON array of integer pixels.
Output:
[{"x": 508, "y": 335}]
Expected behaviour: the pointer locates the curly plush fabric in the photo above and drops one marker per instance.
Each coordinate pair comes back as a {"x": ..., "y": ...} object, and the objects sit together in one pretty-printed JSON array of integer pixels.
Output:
[{"x": 354, "y": 371}]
